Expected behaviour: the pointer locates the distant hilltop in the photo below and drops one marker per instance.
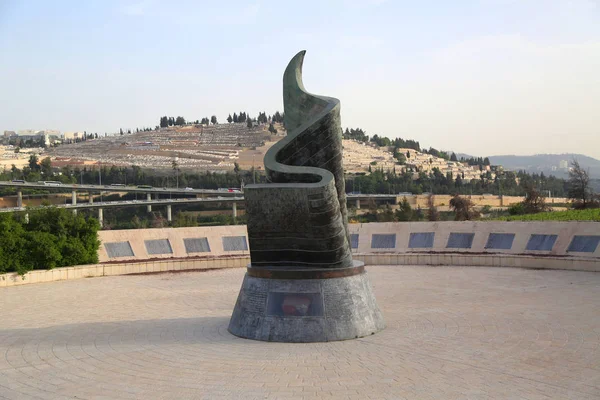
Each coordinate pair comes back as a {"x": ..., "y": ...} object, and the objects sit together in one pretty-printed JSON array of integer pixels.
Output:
[{"x": 549, "y": 164}]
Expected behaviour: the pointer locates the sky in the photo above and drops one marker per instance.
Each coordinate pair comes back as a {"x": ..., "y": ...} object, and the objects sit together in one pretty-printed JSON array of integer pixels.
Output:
[{"x": 483, "y": 77}]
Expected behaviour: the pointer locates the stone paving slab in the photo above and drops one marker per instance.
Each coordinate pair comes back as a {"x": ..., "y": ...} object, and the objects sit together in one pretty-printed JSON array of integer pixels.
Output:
[{"x": 453, "y": 333}]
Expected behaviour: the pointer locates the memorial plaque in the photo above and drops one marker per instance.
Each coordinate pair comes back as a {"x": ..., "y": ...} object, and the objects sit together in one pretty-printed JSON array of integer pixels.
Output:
[
  {"x": 118, "y": 249},
  {"x": 196, "y": 245},
  {"x": 234, "y": 243},
  {"x": 500, "y": 241},
  {"x": 255, "y": 302},
  {"x": 584, "y": 243},
  {"x": 283, "y": 304},
  {"x": 421, "y": 240},
  {"x": 339, "y": 302},
  {"x": 541, "y": 242},
  {"x": 460, "y": 240},
  {"x": 354, "y": 240},
  {"x": 158, "y": 246},
  {"x": 379, "y": 241}
]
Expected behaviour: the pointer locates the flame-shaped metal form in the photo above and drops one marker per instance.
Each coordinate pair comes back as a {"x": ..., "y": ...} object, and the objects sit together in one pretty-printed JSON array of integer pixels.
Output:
[{"x": 299, "y": 219}]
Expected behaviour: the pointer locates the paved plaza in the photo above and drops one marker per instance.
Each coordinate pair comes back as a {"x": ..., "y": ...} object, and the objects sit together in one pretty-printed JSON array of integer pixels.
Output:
[{"x": 453, "y": 333}]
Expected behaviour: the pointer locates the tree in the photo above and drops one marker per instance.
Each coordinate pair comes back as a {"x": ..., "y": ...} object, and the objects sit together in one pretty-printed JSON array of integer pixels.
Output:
[
  {"x": 404, "y": 211},
  {"x": 400, "y": 158},
  {"x": 432, "y": 212},
  {"x": 236, "y": 168},
  {"x": 463, "y": 208},
  {"x": 534, "y": 201},
  {"x": 180, "y": 121},
  {"x": 33, "y": 163},
  {"x": 453, "y": 157},
  {"x": 235, "y": 118},
  {"x": 272, "y": 128},
  {"x": 579, "y": 185},
  {"x": 121, "y": 131},
  {"x": 46, "y": 167},
  {"x": 213, "y": 120},
  {"x": 176, "y": 169},
  {"x": 249, "y": 123},
  {"x": 229, "y": 119}
]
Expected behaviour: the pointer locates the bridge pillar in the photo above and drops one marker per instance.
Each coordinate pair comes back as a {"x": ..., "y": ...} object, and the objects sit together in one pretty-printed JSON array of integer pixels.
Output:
[
  {"x": 169, "y": 217},
  {"x": 100, "y": 216},
  {"x": 19, "y": 198},
  {"x": 74, "y": 197},
  {"x": 234, "y": 209},
  {"x": 91, "y": 198},
  {"x": 149, "y": 197},
  {"x": 358, "y": 204}
]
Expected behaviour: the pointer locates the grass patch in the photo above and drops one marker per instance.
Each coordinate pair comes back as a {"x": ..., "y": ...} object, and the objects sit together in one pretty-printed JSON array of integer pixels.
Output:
[{"x": 569, "y": 215}]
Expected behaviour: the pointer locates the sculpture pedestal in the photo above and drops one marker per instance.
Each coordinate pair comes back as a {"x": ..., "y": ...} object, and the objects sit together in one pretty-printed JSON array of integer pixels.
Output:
[{"x": 306, "y": 305}]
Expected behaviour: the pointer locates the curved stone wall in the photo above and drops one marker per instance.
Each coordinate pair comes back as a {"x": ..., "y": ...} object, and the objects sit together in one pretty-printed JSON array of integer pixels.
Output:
[{"x": 547, "y": 245}]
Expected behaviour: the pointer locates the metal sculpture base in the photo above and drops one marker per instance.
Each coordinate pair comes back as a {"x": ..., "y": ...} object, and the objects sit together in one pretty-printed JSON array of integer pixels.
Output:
[{"x": 300, "y": 305}]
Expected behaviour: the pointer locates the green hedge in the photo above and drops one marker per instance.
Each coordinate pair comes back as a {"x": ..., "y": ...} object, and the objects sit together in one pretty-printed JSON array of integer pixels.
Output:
[{"x": 52, "y": 238}]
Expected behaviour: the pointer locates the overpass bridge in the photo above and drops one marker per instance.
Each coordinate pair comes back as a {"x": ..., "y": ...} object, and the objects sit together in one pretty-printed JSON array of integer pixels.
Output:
[{"x": 216, "y": 196}]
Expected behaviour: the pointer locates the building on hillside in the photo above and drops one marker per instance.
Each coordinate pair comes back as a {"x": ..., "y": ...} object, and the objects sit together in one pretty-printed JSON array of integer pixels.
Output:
[
  {"x": 72, "y": 135},
  {"x": 563, "y": 164}
]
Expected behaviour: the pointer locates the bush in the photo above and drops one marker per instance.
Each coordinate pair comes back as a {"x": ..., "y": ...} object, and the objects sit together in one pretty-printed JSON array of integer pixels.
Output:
[
  {"x": 517, "y": 209},
  {"x": 53, "y": 238}
]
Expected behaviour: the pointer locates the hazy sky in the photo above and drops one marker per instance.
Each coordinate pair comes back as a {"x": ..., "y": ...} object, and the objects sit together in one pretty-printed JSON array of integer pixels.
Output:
[{"x": 484, "y": 77}]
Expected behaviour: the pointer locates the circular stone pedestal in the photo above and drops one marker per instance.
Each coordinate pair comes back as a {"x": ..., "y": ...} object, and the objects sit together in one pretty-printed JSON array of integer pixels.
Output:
[{"x": 306, "y": 305}]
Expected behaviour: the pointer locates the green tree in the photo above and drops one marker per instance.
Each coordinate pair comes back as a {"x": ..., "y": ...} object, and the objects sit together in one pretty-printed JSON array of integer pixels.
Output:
[
  {"x": 33, "y": 163},
  {"x": 400, "y": 158},
  {"x": 229, "y": 119},
  {"x": 43, "y": 251},
  {"x": 453, "y": 157},
  {"x": 404, "y": 211},
  {"x": 46, "y": 167},
  {"x": 12, "y": 242},
  {"x": 213, "y": 120}
]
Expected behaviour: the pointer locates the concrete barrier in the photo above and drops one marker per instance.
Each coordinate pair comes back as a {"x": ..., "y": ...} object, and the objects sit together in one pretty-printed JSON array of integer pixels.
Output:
[{"x": 544, "y": 245}]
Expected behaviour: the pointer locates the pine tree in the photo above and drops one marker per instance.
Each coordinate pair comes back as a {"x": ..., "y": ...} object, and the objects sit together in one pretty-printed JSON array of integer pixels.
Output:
[{"x": 229, "y": 119}]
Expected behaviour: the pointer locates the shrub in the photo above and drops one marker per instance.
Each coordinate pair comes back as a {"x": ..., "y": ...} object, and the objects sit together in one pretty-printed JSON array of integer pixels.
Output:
[{"x": 53, "y": 238}]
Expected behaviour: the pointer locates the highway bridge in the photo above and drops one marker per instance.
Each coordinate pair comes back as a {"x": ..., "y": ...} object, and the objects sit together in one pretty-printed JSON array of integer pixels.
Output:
[
  {"x": 55, "y": 185},
  {"x": 232, "y": 196}
]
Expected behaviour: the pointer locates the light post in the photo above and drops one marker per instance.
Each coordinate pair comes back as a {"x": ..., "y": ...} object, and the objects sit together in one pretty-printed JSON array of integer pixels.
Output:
[{"x": 177, "y": 171}]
